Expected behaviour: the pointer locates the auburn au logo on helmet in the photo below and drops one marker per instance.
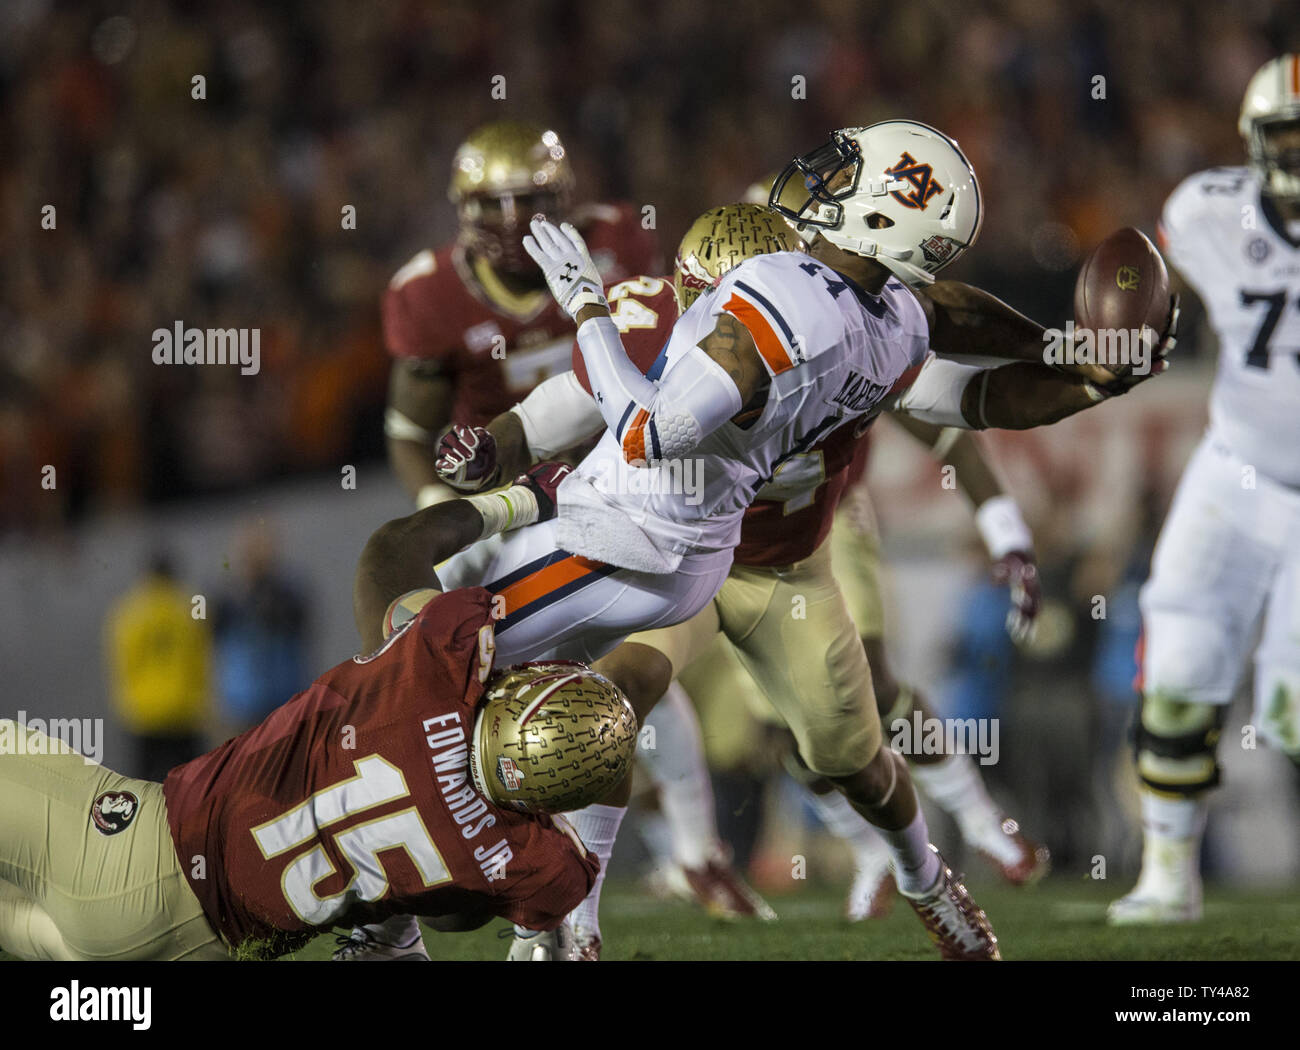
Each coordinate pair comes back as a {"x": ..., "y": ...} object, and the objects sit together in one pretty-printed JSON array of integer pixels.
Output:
[{"x": 921, "y": 176}]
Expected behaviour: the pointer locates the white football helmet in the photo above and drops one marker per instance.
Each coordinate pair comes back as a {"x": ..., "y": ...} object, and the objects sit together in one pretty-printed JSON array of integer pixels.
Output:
[
  {"x": 1272, "y": 100},
  {"x": 899, "y": 191}
]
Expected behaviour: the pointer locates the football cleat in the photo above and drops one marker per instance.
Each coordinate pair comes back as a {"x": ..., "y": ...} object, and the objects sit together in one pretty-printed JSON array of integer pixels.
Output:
[
  {"x": 1019, "y": 859},
  {"x": 360, "y": 946},
  {"x": 555, "y": 945},
  {"x": 959, "y": 929},
  {"x": 720, "y": 891},
  {"x": 873, "y": 891},
  {"x": 1148, "y": 909}
]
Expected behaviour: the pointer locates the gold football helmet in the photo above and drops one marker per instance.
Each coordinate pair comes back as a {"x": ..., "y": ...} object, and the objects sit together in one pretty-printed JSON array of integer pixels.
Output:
[
  {"x": 723, "y": 238},
  {"x": 501, "y": 176},
  {"x": 551, "y": 737}
]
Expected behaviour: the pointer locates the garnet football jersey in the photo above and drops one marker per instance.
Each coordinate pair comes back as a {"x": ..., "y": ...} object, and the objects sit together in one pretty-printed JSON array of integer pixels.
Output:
[
  {"x": 792, "y": 511},
  {"x": 451, "y": 311},
  {"x": 353, "y": 802}
]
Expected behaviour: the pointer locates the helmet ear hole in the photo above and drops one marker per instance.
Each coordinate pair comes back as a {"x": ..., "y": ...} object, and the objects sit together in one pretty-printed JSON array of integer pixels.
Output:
[{"x": 879, "y": 221}]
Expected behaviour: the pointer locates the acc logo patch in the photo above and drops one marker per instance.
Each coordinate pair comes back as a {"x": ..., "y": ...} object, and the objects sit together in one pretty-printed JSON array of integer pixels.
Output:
[
  {"x": 113, "y": 811},
  {"x": 1127, "y": 278},
  {"x": 510, "y": 775},
  {"x": 1257, "y": 250}
]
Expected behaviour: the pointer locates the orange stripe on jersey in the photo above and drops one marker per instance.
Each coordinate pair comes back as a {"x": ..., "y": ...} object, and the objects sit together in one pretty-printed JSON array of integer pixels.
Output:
[
  {"x": 545, "y": 580},
  {"x": 1295, "y": 74},
  {"x": 768, "y": 342},
  {"x": 634, "y": 438}
]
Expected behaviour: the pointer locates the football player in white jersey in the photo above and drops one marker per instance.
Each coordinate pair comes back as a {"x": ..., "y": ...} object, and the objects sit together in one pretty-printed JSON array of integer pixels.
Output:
[
  {"x": 1229, "y": 554},
  {"x": 785, "y": 350}
]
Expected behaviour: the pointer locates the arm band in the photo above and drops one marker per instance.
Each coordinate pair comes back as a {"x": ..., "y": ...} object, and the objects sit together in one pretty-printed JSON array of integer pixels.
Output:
[
  {"x": 511, "y": 508},
  {"x": 557, "y": 415},
  {"x": 400, "y": 427},
  {"x": 655, "y": 422},
  {"x": 1002, "y": 527},
  {"x": 935, "y": 396}
]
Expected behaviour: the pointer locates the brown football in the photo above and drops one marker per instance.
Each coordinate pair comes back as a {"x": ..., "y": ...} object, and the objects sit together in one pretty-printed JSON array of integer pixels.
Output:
[{"x": 1123, "y": 284}]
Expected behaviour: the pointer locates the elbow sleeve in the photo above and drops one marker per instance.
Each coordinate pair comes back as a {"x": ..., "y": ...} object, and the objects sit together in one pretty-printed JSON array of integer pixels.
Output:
[{"x": 655, "y": 422}]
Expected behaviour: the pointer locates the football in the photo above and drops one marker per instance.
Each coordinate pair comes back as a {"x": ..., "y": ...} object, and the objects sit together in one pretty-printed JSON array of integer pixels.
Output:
[{"x": 1122, "y": 286}]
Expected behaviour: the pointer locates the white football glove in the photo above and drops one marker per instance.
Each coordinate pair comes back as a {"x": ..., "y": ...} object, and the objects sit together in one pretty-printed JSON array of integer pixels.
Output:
[
  {"x": 571, "y": 275},
  {"x": 536, "y": 946}
]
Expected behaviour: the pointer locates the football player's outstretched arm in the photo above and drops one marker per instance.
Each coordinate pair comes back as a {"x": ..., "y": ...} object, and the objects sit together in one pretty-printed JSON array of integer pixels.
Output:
[
  {"x": 400, "y": 555},
  {"x": 956, "y": 447},
  {"x": 654, "y": 421},
  {"x": 1017, "y": 396},
  {"x": 1001, "y": 526},
  {"x": 966, "y": 321}
]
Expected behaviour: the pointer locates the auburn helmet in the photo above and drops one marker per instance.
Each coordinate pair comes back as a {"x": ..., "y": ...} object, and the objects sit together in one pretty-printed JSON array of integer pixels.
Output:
[
  {"x": 501, "y": 176},
  {"x": 723, "y": 238},
  {"x": 1272, "y": 104},
  {"x": 899, "y": 192},
  {"x": 550, "y": 737}
]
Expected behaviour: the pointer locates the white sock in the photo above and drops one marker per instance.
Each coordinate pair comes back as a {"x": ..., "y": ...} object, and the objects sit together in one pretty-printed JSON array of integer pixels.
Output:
[
  {"x": 597, "y": 826},
  {"x": 676, "y": 765},
  {"x": 1171, "y": 845},
  {"x": 850, "y": 827},
  {"x": 399, "y": 931},
  {"x": 916, "y": 865},
  {"x": 656, "y": 837},
  {"x": 956, "y": 787}
]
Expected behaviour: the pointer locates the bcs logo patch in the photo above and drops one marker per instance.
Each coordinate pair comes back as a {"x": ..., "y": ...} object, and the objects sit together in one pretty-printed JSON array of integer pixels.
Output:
[
  {"x": 921, "y": 176},
  {"x": 510, "y": 775},
  {"x": 937, "y": 249},
  {"x": 113, "y": 811}
]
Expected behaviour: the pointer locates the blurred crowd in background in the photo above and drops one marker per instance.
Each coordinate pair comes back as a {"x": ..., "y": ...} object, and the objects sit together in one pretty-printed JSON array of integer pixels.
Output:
[
  {"x": 226, "y": 211},
  {"x": 1079, "y": 117}
]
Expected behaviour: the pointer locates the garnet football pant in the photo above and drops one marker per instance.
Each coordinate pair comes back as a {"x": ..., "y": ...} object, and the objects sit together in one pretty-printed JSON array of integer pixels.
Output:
[
  {"x": 557, "y": 605},
  {"x": 793, "y": 633},
  {"x": 87, "y": 866}
]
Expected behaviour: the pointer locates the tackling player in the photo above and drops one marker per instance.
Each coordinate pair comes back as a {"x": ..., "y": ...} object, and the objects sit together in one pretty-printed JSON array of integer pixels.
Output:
[
  {"x": 784, "y": 352},
  {"x": 1229, "y": 554},
  {"x": 472, "y": 329},
  {"x": 782, "y": 530},
  {"x": 414, "y": 779}
]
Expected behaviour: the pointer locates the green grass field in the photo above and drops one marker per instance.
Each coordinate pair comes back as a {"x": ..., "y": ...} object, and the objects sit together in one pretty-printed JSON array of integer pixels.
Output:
[{"x": 1060, "y": 919}]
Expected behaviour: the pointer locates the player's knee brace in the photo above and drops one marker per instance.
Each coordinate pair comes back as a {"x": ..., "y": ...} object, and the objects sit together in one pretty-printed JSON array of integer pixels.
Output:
[
  {"x": 1277, "y": 708},
  {"x": 1176, "y": 741}
]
